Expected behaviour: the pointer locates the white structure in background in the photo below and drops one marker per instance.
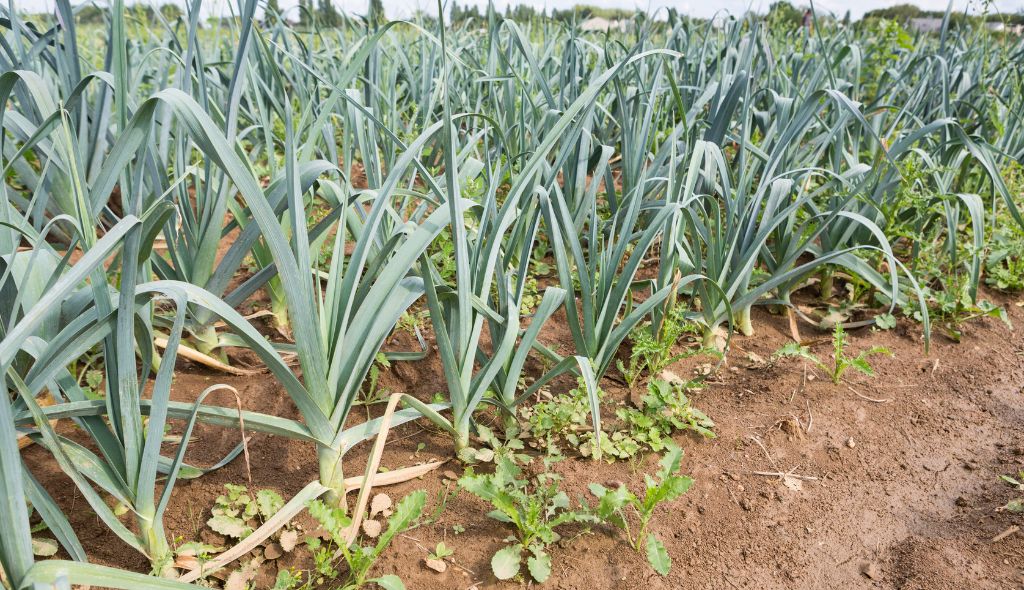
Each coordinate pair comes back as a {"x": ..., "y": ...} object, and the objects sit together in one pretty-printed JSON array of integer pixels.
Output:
[
  {"x": 603, "y": 25},
  {"x": 931, "y": 24},
  {"x": 927, "y": 24},
  {"x": 1001, "y": 27}
]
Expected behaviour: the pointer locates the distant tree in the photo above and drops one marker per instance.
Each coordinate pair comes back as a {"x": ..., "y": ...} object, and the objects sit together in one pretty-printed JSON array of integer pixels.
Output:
[
  {"x": 91, "y": 14},
  {"x": 171, "y": 12},
  {"x": 328, "y": 14},
  {"x": 582, "y": 12},
  {"x": 522, "y": 13},
  {"x": 461, "y": 15},
  {"x": 376, "y": 12},
  {"x": 273, "y": 9},
  {"x": 306, "y": 15},
  {"x": 900, "y": 12},
  {"x": 784, "y": 14}
]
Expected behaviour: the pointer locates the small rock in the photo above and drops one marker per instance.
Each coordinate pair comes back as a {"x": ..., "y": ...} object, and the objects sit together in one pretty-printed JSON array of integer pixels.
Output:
[
  {"x": 438, "y": 565},
  {"x": 449, "y": 474},
  {"x": 871, "y": 570},
  {"x": 273, "y": 551},
  {"x": 746, "y": 505},
  {"x": 211, "y": 538},
  {"x": 850, "y": 442},
  {"x": 791, "y": 428}
]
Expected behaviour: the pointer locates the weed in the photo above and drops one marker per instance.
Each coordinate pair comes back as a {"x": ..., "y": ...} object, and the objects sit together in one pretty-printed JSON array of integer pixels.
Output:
[
  {"x": 358, "y": 557},
  {"x": 534, "y": 507},
  {"x": 373, "y": 393},
  {"x": 652, "y": 352},
  {"x": 842, "y": 361},
  {"x": 236, "y": 513},
  {"x": 1015, "y": 505},
  {"x": 441, "y": 551},
  {"x": 619, "y": 506},
  {"x": 664, "y": 410}
]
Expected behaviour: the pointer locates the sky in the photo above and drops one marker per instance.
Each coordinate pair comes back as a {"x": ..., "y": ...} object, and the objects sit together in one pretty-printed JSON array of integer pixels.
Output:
[{"x": 697, "y": 8}]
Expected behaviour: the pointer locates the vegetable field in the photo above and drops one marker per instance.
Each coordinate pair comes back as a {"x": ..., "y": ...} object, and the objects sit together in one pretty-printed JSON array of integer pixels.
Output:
[{"x": 499, "y": 302}]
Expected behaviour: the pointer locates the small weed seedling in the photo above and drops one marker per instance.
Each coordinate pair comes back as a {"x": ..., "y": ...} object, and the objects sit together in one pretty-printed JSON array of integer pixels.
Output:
[
  {"x": 436, "y": 558},
  {"x": 665, "y": 410},
  {"x": 492, "y": 446},
  {"x": 558, "y": 417},
  {"x": 237, "y": 513},
  {"x": 652, "y": 352},
  {"x": 842, "y": 360},
  {"x": 535, "y": 508},
  {"x": 375, "y": 394},
  {"x": 441, "y": 551},
  {"x": 42, "y": 546},
  {"x": 619, "y": 506},
  {"x": 1016, "y": 505},
  {"x": 360, "y": 558},
  {"x": 952, "y": 308}
]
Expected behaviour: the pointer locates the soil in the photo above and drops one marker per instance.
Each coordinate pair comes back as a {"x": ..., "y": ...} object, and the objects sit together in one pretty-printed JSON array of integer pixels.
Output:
[{"x": 895, "y": 478}]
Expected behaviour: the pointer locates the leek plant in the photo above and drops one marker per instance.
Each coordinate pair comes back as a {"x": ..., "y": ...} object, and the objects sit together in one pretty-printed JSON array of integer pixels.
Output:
[{"x": 605, "y": 271}]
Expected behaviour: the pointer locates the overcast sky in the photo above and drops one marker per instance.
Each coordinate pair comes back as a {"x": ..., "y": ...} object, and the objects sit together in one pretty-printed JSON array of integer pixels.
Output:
[{"x": 699, "y": 8}]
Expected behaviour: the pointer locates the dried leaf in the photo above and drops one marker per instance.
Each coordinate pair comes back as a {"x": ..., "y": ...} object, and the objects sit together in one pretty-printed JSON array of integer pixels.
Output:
[
  {"x": 671, "y": 377},
  {"x": 371, "y": 528},
  {"x": 238, "y": 580},
  {"x": 289, "y": 539},
  {"x": 380, "y": 503},
  {"x": 187, "y": 562},
  {"x": 756, "y": 361},
  {"x": 44, "y": 547}
]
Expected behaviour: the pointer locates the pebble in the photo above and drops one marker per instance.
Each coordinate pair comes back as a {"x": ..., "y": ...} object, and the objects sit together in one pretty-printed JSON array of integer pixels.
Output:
[
  {"x": 273, "y": 551},
  {"x": 871, "y": 570}
]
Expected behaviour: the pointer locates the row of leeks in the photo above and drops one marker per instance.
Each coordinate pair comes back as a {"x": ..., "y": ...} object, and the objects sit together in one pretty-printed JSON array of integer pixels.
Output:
[{"x": 678, "y": 162}]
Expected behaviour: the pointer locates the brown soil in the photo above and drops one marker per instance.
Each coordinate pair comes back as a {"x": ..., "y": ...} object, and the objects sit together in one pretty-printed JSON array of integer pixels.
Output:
[{"x": 904, "y": 491}]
